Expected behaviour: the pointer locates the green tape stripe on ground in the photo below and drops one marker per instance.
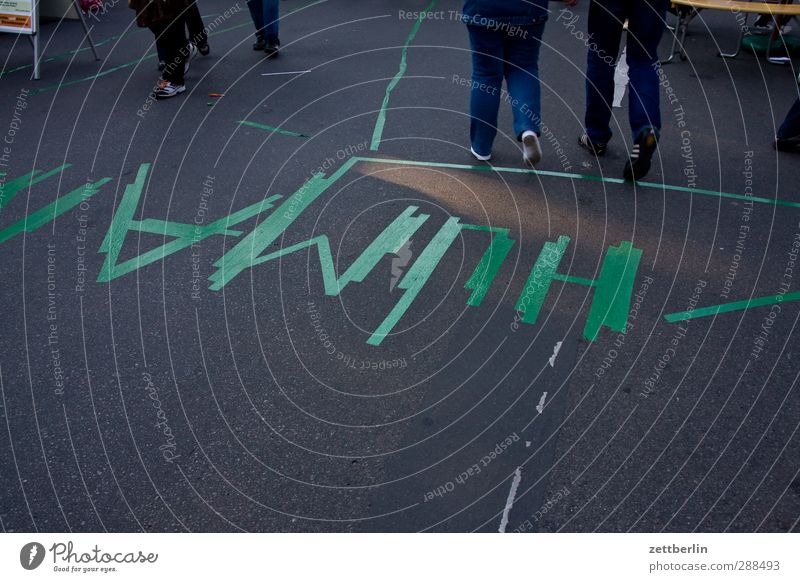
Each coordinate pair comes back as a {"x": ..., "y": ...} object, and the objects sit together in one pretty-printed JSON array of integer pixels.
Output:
[
  {"x": 586, "y": 177},
  {"x": 377, "y": 134},
  {"x": 733, "y": 306},
  {"x": 272, "y": 129}
]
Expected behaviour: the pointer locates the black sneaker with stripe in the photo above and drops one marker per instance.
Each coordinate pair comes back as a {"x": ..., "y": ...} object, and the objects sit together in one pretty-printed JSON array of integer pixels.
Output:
[
  {"x": 596, "y": 149},
  {"x": 644, "y": 147}
]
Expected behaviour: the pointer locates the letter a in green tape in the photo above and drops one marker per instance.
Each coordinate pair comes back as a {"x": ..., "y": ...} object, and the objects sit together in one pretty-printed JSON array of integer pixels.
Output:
[
  {"x": 185, "y": 234},
  {"x": 613, "y": 288}
]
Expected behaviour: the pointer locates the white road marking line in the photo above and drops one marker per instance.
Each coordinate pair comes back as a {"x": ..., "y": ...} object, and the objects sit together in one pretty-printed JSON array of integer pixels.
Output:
[
  {"x": 556, "y": 349},
  {"x": 285, "y": 73},
  {"x": 540, "y": 406},
  {"x": 620, "y": 78},
  {"x": 512, "y": 495}
]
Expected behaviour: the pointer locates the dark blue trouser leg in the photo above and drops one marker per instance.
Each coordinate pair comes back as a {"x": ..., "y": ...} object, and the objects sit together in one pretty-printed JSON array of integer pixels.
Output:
[
  {"x": 522, "y": 78},
  {"x": 271, "y": 13},
  {"x": 645, "y": 27},
  {"x": 257, "y": 14},
  {"x": 791, "y": 125},
  {"x": 487, "y": 85}
]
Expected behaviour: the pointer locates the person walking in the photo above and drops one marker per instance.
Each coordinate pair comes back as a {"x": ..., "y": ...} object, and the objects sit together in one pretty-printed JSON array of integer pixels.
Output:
[
  {"x": 265, "y": 15},
  {"x": 646, "y": 25},
  {"x": 198, "y": 36},
  {"x": 505, "y": 37},
  {"x": 166, "y": 20}
]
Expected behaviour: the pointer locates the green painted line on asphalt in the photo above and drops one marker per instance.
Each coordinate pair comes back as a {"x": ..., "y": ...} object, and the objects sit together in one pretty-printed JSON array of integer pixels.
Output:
[
  {"x": 11, "y": 188},
  {"x": 381, "y": 121},
  {"x": 586, "y": 177},
  {"x": 417, "y": 276},
  {"x": 485, "y": 272},
  {"x": 613, "y": 290},
  {"x": 271, "y": 129},
  {"x": 185, "y": 235},
  {"x": 576, "y": 280},
  {"x": 541, "y": 277},
  {"x": 53, "y": 210},
  {"x": 733, "y": 306}
]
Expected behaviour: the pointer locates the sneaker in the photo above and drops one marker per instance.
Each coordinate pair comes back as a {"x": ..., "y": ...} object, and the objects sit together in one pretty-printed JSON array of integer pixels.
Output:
[
  {"x": 531, "y": 150},
  {"x": 478, "y": 156},
  {"x": 260, "y": 44},
  {"x": 165, "y": 89},
  {"x": 791, "y": 144},
  {"x": 203, "y": 49},
  {"x": 272, "y": 50},
  {"x": 596, "y": 149},
  {"x": 644, "y": 146},
  {"x": 192, "y": 54}
]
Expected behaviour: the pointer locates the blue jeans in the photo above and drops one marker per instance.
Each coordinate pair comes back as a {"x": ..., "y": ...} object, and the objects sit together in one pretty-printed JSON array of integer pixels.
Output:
[
  {"x": 265, "y": 15},
  {"x": 496, "y": 54},
  {"x": 791, "y": 125},
  {"x": 645, "y": 26}
]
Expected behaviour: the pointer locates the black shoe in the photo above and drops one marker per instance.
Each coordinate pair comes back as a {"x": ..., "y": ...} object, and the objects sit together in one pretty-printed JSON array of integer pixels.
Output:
[
  {"x": 644, "y": 147},
  {"x": 272, "y": 50},
  {"x": 596, "y": 149},
  {"x": 791, "y": 144},
  {"x": 260, "y": 44},
  {"x": 203, "y": 49}
]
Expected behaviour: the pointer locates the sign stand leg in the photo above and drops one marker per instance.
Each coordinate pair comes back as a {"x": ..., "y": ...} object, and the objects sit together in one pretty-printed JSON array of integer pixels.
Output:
[
  {"x": 34, "y": 38},
  {"x": 86, "y": 28}
]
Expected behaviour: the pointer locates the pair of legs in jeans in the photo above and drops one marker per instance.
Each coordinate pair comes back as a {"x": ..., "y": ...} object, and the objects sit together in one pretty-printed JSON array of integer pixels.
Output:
[
  {"x": 265, "y": 15},
  {"x": 497, "y": 55},
  {"x": 645, "y": 27}
]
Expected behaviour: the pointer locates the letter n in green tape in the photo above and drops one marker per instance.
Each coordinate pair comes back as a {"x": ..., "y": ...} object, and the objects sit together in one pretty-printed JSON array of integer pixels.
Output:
[{"x": 613, "y": 288}]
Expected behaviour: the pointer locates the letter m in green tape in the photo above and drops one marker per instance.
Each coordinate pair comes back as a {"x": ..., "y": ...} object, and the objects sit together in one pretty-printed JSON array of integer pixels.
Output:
[{"x": 612, "y": 289}]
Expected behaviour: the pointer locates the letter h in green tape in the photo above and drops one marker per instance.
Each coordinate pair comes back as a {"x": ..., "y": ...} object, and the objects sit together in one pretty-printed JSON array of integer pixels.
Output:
[{"x": 612, "y": 289}]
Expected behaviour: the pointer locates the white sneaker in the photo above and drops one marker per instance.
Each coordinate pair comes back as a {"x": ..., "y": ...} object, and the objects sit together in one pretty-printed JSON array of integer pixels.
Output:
[
  {"x": 531, "y": 150},
  {"x": 192, "y": 54},
  {"x": 480, "y": 157},
  {"x": 165, "y": 90}
]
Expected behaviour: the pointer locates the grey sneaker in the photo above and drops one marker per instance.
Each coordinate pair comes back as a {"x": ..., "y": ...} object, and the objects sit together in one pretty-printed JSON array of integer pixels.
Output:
[{"x": 531, "y": 150}]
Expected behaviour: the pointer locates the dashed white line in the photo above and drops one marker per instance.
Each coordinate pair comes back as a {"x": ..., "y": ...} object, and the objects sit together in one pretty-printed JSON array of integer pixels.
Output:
[
  {"x": 512, "y": 495},
  {"x": 556, "y": 349},
  {"x": 540, "y": 406}
]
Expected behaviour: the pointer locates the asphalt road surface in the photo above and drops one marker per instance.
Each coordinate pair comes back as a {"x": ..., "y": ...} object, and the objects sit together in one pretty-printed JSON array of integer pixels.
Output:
[{"x": 303, "y": 305}]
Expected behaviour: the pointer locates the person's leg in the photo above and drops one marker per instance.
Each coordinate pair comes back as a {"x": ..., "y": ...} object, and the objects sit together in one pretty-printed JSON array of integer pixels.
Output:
[
  {"x": 194, "y": 24},
  {"x": 605, "y": 29},
  {"x": 257, "y": 14},
  {"x": 171, "y": 37},
  {"x": 487, "y": 84},
  {"x": 646, "y": 23},
  {"x": 521, "y": 68},
  {"x": 790, "y": 128},
  {"x": 271, "y": 22}
]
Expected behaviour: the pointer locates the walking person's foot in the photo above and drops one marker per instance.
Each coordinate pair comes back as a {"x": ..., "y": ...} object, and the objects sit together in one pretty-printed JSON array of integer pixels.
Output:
[
  {"x": 644, "y": 147},
  {"x": 272, "y": 49},
  {"x": 203, "y": 48},
  {"x": 596, "y": 149},
  {"x": 790, "y": 144},
  {"x": 480, "y": 157},
  {"x": 166, "y": 89},
  {"x": 260, "y": 44},
  {"x": 192, "y": 54},
  {"x": 531, "y": 149}
]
